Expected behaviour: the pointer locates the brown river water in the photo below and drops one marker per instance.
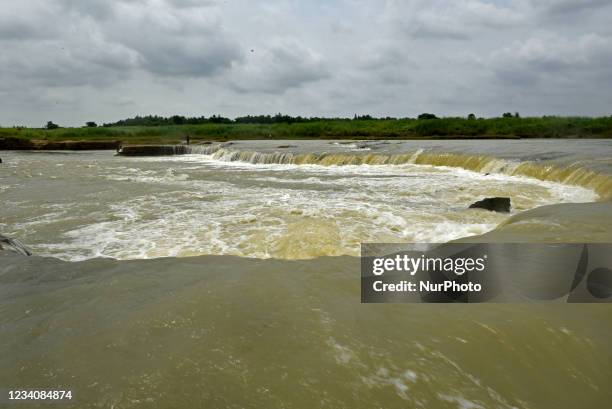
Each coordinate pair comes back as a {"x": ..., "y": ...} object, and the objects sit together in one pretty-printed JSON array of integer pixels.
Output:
[{"x": 229, "y": 277}]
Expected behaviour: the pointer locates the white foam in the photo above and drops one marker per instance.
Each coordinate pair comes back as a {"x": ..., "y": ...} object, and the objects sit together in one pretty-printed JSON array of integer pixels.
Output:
[{"x": 196, "y": 204}]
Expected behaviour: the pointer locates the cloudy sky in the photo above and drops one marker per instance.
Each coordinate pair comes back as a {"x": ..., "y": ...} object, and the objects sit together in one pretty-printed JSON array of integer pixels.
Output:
[{"x": 73, "y": 61}]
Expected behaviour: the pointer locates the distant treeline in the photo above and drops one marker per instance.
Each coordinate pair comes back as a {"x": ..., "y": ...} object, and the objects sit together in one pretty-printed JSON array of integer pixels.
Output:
[
  {"x": 156, "y": 120},
  {"x": 157, "y": 129},
  {"x": 425, "y": 125}
]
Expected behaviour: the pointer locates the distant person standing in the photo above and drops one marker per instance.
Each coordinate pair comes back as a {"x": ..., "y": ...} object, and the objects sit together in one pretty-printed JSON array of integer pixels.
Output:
[{"x": 187, "y": 139}]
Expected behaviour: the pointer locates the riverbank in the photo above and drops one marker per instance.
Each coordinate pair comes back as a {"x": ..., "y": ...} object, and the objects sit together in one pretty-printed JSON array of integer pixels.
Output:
[
  {"x": 341, "y": 129},
  {"x": 21, "y": 144}
]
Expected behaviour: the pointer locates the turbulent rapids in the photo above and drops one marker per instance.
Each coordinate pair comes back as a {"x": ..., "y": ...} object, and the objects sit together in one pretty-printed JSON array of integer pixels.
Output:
[
  {"x": 299, "y": 202},
  {"x": 573, "y": 174}
]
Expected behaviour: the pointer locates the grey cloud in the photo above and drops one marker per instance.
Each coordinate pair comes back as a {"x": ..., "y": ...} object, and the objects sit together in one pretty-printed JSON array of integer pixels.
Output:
[
  {"x": 192, "y": 3},
  {"x": 549, "y": 58},
  {"x": 27, "y": 20},
  {"x": 70, "y": 53},
  {"x": 98, "y": 9},
  {"x": 437, "y": 30},
  {"x": 569, "y": 6},
  {"x": 188, "y": 58},
  {"x": 454, "y": 20},
  {"x": 92, "y": 49},
  {"x": 281, "y": 67},
  {"x": 20, "y": 29},
  {"x": 385, "y": 67},
  {"x": 382, "y": 56},
  {"x": 75, "y": 60},
  {"x": 50, "y": 65},
  {"x": 176, "y": 42}
]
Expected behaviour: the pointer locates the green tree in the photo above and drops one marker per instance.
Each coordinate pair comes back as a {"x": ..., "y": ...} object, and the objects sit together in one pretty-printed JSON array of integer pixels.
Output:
[
  {"x": 91, "y": 124},
  {"x": 427, "y": 116},
  {"x": 51, "y": 125},
  {"x": 471, "y": 117},
  {"x": 177, "y": 119}
]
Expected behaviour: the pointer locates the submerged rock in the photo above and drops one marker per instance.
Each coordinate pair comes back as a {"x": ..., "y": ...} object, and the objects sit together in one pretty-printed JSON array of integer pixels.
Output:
[
  {"x": 494, "y": 204},
  {"x": 16, "y": 246}
]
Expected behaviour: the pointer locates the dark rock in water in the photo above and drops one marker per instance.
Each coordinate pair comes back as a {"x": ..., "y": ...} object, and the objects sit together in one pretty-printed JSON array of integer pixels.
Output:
[
  {"x": 13, "y": 245},
  {"x": 494, "y": 204},
  {"x": 77, "y": 145},
  {"x": 153, "y": 150}
]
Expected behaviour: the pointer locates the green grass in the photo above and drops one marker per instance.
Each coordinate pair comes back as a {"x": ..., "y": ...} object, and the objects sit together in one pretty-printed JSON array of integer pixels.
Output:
[{"x": 546, "y": 127}]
